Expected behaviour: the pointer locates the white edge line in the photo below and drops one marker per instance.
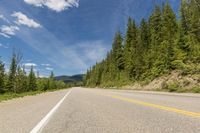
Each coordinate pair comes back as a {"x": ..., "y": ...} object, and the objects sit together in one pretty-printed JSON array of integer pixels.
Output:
[{"x": 45, "y": 120}]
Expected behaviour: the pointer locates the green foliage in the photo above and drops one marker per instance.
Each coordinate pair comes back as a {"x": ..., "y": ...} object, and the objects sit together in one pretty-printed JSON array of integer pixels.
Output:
[
  {"x": 52, "y": 83},
  {"x": 10, "y": 86},
  {"x": 32, "y": 80},
  {"x": 21, "y": 81},
  {"x": 196, "y": 89},
  {"x": 2, "y": 77},
  {"x": 16, "y": 83},
  {"x": 130, "y": 48},
  {"x": 158, "y": 46}
]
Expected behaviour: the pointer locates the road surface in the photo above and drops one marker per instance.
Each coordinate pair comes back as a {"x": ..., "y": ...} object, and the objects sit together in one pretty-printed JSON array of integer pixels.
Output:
[{"x": 80, "y": 110}]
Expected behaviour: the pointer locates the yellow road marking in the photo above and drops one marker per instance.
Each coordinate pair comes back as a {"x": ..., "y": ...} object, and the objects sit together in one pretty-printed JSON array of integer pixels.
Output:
[{"x": 170, "y": 109}]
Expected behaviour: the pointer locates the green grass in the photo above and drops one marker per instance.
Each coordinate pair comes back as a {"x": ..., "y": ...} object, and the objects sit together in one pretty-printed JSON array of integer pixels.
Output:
[{"x": 10, "y": 95}]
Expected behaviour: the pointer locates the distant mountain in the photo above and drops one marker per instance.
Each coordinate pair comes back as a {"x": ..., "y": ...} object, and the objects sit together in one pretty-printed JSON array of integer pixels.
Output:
[{"x": 70, "y": 79}]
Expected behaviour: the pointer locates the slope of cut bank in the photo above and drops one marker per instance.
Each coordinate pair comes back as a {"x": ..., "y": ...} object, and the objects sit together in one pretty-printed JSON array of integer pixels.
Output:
[{"x": 176, "y": 81}]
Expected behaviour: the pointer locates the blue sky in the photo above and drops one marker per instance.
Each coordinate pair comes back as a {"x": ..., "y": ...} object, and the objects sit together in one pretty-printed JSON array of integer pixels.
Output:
[{"x": 66, "y": 36}]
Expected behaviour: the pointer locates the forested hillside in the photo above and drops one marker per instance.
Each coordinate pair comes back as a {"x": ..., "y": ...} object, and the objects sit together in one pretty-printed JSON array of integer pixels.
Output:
[
  {"x": 157, "y": 46},
  {"x": 70, "y": 79}
]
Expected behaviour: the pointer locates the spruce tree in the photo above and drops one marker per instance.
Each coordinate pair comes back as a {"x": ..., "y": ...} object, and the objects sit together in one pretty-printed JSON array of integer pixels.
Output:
[
  {"x": 155, "y": 29},
  {"x": 129, "y": 48},
  {"x": 2, "y": 77},
  {"x": 184, "y": 13},
  {"x": 144, "y": 34},
  {"x": 21, "y": 80},
  {"x": 32, "y": 86},
  {"x": 169, "y": 30},
  {"x": 117, "y": 51},
  {"x": 51, "y": 79},
  {"x": 11, "y": 83}
]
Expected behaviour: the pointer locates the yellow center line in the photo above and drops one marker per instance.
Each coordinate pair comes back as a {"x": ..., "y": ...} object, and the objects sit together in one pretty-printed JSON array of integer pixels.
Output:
[{"x": 170, "y": 109}]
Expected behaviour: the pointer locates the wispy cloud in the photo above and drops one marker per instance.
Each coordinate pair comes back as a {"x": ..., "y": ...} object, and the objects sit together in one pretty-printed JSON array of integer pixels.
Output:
[
  {"x": 92, "y": 51},
  {"x": 4, "y": 46},
  {"x": 4, "y": 35},
  {"x": 47, "y": 65},
  {"x": 4, "y": 18},
  {"x": 28, "y": 65},
  {"x": 49, "y": 68},
  {"x": 56, "y": 5},
  {"x": 65, "y": 58},
  {"x": 22, "y": 19},
  {"x": 8, "y": 31}
]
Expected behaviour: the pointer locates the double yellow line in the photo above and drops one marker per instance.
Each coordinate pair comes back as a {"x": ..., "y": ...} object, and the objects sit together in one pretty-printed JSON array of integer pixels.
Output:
[{"x": 170, "y": 109}]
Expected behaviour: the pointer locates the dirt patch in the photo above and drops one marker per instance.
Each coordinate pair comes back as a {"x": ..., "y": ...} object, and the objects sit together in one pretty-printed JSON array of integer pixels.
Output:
[{"x": 172, "y": 82}]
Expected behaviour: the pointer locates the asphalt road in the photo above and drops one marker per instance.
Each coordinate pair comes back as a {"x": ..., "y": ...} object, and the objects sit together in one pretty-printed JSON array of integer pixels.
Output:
[{"x": 80, "y": 110}]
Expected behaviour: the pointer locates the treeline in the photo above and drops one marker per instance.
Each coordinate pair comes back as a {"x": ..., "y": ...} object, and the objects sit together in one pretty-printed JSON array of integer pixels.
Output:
[
  {"x": 17, "y": 80},
  {"x": 155, "y": 47}
]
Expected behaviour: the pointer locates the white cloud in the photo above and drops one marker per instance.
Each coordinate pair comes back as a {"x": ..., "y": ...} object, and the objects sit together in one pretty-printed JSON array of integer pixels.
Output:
[
  {"x": 4, "y": 46},
  {"x": 47, "y": 65},
  {"x": 8, "y": 31},
  {"x": 4, "y": 18},
  {"x": 3, "y": 34},
  {"x": 56, "y": 5},
  {"x": 28, "y": 65},
  {"x": 49, "y": 68},
  {"x": 22, "y": 19}
]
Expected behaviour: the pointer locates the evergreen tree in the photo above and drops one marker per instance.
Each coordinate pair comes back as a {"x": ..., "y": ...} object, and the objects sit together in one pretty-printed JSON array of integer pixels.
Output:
[
  {"x": 169, "y": 30},
  {"x": 155, "y": 29},
  {"x": 144, "y": 34},
  {"x": 117, "y": 51},
  {"x": 155, "y": 23},
  {"x": 32, "y": 86},
  {"x": 52, "y": 84},
  {"x": 184, "y": 13},
  {"x": 11, "y": 83},
  {"x": 193, "y": 37},
  {"x": 2, "y": 77},
  {"x": 144, "y": 43},
  {"x": 130, "y": 47},
  {"x": 21, "y": 80}
]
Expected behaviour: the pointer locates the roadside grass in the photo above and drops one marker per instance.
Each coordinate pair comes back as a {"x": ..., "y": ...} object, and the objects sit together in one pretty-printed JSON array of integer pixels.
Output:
[{"x": 10, "y": 95}]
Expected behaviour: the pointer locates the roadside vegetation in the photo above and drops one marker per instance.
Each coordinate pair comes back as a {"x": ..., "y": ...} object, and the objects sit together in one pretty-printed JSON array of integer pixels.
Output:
[
  {"x": 18, "y": 82},
  {"x": 160, "y": 46}
]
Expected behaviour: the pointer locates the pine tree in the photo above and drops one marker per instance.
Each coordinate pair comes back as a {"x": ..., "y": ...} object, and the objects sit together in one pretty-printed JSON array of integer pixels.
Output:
[
  {"x": 117, "y": 51},
  {"x": 129, "y": 48},
  {"x": 51, "y": 79},
  {"x": 155, "y": 29},
  {"x": 11, "y": 83},
  {"x": 194, "y": 32},
  {"x": 169, "y": 30},
  {"x": 32, "y": 86},
  {"x": 144, "y": 34},
  {"x": 2, "y": 77},
  {"x": 184, "y": 13},
  {"x": 144, "y": 41},
  {"x": 155, "y": 23},
  {"x": 21, "y": 80}
]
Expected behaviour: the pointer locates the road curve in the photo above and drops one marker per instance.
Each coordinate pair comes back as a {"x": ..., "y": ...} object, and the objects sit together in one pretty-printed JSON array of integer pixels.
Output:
[{"x": 103, "y": 111}]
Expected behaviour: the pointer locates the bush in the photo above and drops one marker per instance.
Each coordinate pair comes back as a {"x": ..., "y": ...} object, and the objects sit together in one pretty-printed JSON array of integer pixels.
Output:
[
  {"x": 196, "y": 89},
  {"x": 173, "y": 87}
]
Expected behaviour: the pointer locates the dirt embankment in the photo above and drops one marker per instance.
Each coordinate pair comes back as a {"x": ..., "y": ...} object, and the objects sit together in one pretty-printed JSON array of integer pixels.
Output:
[{"x": 175, "y": 81}]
